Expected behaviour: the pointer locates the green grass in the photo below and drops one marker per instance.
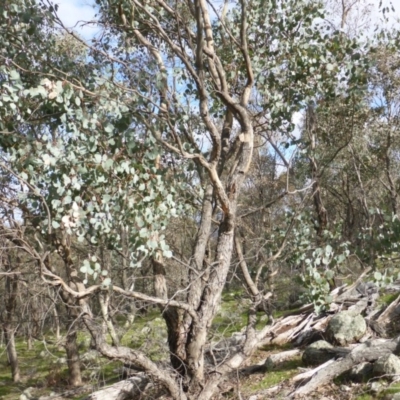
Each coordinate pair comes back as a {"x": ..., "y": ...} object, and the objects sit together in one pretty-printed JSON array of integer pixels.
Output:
[
  {"x": 388, "y": 298},
  {"x": 34, "y": 368},
  {"x": 6, "y": 384},
  {"x": 276, "y": 347},
  {"x": 284, "y": 371},
  {"x": 395, "y": 388},
  {"x": 233, "y": 315},
  {"x": 41, "y": 371},
  {"x": 385, "y": 394}
]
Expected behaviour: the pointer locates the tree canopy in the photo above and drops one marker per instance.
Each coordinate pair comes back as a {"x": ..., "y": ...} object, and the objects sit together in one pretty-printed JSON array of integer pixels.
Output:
[{"x": 165, "y": 147}]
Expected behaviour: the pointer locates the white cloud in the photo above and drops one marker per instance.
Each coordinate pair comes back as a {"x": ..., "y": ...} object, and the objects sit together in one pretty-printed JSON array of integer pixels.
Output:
[
  {"x": 392, "y": 16},
  {"x": 364, "y": 16},
  {"x": 297, "y": 118},
  {"x": 75, "y": 14}
]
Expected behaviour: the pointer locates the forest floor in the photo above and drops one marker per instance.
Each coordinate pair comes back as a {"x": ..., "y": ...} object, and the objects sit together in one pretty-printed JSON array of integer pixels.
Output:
[
  {"x": 44, "y": 370},
  {"x": 339, "y": 389}
]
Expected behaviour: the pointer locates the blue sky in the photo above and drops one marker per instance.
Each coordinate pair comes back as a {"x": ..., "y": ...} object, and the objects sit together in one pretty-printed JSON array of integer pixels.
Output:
[{"x": 74, "y": 12}]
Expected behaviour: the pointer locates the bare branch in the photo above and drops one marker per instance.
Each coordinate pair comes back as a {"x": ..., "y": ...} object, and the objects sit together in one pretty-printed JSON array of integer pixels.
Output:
[{"x": 132, "y": 294}]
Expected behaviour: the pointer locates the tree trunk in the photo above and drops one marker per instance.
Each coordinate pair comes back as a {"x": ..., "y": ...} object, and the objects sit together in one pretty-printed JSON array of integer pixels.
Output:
[
  {"x": 104, "y": 303},
  {"x": 71, "y": 346},
  {"x": 172, "y": 317},
  {"x": 74, "y": 309},
  {"x": 128, "y": 284},
  {"x": 322, "y": 214},
  {"x": 388, "y": 171},
  {"x": 156, "y": 373},
  {"x": 210, "y": 301},
  {"x": 9, "y": 330},
  {"x": 12, "y": 352},
  {"x": 199, "y": 264},
  {"x": 56, "y": 323},
  {"x": 73, "y": 362}
]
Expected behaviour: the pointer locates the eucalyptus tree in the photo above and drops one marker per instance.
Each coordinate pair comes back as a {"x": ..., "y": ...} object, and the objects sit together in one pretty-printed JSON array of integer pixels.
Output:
[
  {"x": 212, "y": 69},
  {"x": 349, "y": 144},
  {"x": 60, "y": 169},
  {"x": 384, "y": 122},
  {"x": 83, "y": 137}
]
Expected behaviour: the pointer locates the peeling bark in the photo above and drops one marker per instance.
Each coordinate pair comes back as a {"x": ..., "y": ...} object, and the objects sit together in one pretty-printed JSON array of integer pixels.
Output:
[
  {"x": 172, "y": 317},
  {"x": 73, "y": 362}
]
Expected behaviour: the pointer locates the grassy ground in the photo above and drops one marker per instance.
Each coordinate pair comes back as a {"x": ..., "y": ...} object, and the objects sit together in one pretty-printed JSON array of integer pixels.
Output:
[{"x": 43, "y": 368}]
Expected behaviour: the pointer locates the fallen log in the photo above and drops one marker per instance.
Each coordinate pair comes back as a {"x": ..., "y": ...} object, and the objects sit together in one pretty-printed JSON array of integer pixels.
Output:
[
  {"x": 275, "y": 359},
  {"x": 315, "y": 356},
  {"x": 304, "y": 326},
  {"x": 68, "y": 394},
  {"x": 391, "y": 312},
  {"x": 301, "y": 326},
  {"x": 305, "y": 376},
  {"x": 127, "y": 389},
  {"x": 368, "y": 351}
]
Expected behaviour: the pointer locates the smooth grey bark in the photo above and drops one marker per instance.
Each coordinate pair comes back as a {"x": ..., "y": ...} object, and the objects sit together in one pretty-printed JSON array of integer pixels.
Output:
[
  {"x": 8, "y": 325},
  {"x": 56, "y": 322},
  {"x": 12, "y": 355},
  {"x": 104, "y": 300}
]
